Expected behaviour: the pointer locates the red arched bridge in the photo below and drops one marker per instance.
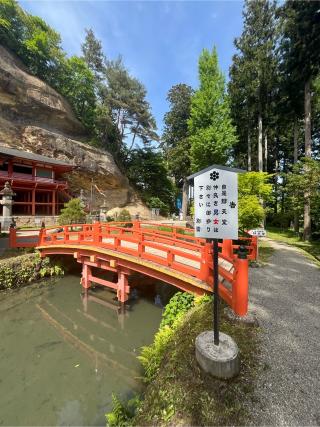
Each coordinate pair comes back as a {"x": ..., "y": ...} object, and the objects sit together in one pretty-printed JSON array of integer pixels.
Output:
[{"x": 171, "y": 254}]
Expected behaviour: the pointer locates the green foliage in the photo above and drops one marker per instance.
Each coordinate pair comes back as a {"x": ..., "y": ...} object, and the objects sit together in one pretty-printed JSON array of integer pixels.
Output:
[
  {"x": 178, "y": 305},
  {"x": 93, "y": 54},
  {"x": 251, "y": 213},
  {"x": 146, "y": 170},
  {"x": 305, "y": 178},
  {"x": 151, "y": 356},
  {"x": 212, "y": 134},
  {"x": 124, "y": 215},
  {"x": 155, "y": 202},
  {"x": 253, "y": 190},
  {"x": 175, "y": 140},
  {"x": 18, "y": 271},
  {"x": 78, "y": 86},
  {"x": 72, "y": 213},
  {"x": 253, "y": 75},
  {"x": 255, "y": 183},
  {"x": 122, "y": 413}
]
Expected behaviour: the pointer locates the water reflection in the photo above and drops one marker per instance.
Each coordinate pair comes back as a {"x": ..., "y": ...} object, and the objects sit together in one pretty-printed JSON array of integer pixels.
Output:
[{"x": 62, "y": 353}]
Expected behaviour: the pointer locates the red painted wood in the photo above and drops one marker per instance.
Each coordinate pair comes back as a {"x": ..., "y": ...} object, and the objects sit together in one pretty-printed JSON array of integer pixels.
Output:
[{"x": 144, "y": 235}]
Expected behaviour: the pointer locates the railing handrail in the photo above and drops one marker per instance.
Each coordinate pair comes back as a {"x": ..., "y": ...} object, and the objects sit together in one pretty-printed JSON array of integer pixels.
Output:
[{"x": 173, "y": 245}]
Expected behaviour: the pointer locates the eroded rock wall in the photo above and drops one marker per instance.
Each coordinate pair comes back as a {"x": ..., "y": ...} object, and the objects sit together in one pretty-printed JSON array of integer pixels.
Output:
[{"x": 36, "y": 118}]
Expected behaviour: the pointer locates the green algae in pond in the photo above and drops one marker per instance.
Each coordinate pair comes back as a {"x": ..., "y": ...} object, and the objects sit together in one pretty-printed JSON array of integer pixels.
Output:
[{"x": 61, "y": 357}]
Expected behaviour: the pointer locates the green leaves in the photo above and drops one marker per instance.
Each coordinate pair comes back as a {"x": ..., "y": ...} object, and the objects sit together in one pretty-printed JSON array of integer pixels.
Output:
[
  {"x": 212, "y": 134},
  {"x": 175, "y": 141},
  {"x": 72, "y": 213},
  {"x": 254, "y": 189}
]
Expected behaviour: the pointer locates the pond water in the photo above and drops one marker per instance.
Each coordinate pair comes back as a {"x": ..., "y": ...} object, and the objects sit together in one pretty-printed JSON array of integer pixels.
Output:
[{"x": 62, "y": 356}]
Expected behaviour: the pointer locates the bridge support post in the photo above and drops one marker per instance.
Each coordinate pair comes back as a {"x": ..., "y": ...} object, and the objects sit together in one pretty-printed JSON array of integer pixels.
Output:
[
  {"x": 86, "y": 272},
  {"x": 123, "y": 288},
  {"x": 240, "y": 289}
]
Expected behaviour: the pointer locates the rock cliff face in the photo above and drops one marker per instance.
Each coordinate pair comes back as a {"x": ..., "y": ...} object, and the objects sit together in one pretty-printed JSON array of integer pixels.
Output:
[{"x": 35, "y": 118}]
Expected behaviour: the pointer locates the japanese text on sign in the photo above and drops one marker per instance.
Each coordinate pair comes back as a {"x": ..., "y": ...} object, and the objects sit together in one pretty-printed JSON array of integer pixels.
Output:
[{"x": 216, "y": 204}]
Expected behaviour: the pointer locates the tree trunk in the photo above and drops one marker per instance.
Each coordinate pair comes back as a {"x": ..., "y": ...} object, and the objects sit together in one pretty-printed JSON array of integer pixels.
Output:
[
  {"x": 295, "y": 140},
  {"x": 184, "y": 199},
  {"x": 295, "y": 159},
  {"x": 260, "y": 160},
  {"x": 249, "y": 152},
  {"x": 276, "y": 183},
  {"x": 307, "y": 141},
  {"x": 266, "y": 151}
]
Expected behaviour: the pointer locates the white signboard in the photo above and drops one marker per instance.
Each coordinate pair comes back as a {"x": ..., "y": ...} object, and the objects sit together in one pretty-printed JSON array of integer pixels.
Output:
[
  {"x": 260, "y": 232},
  {"x": 216, "y": 204}
]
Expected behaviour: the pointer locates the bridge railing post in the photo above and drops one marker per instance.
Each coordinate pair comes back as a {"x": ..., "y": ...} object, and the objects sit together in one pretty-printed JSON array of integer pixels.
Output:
[
  {"x": 65, "y": 233},
  {"x": 42, "y": 234},
  {"x": 205, "y": 258},
  {"x": 170, "y": 258},
  {"x": 140, "y": 244},
  {"x": 240, "y": 287},
  {"x": 227, "y": 249},
  {"x": 12, "y": 237}
]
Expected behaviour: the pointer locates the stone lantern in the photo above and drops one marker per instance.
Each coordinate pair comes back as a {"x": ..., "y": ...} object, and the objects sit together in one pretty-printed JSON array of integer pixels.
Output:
[
  {"x": 82, "y": 199},
  {"x": 6, "y": 195},
  {"x": 103, "y": 211}
]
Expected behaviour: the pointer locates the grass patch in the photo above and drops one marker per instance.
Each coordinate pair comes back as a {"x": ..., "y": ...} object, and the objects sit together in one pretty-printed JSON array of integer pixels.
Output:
[
  {"x": 290, "y": 237},
  {"x": 13, "y": 252},
  {"x": 265, "y": 252},
  {"x": 181, "y": 394}
]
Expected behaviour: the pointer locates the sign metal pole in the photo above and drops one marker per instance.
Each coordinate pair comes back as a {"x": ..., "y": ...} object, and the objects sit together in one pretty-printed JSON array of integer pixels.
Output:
[{"x": 216, "y": 291}]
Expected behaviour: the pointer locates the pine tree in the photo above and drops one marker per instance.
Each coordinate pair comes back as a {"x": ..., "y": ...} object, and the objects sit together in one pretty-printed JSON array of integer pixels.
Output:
[
  {"x": 93, "y": 54},
  {"x": 212, "y": 134}
]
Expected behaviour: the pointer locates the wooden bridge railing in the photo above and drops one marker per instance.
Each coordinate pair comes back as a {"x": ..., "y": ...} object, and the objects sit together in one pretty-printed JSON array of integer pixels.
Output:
[{"x": 170, "y": 246}]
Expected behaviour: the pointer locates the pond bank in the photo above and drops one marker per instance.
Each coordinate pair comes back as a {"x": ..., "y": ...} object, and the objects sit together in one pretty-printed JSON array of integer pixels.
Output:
[
  {"x": 21, "y": 270},
  {"x": 178, "y": 393}
]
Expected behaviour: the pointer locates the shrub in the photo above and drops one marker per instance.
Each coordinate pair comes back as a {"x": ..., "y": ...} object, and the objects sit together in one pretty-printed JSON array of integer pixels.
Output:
[
  {"x": 178, "y": 305},
  {"x": 151, "y": 356},
  {"x": 124, "y": 216},
  {"x": 253, "y": 188},
  {"x": 72, "y": 213},
  {"x": 19, "y": 271},
  {"x": 251, "y": 213},
  {"x": 155, "y": 202},
  {"x": 121, "y": 413}
]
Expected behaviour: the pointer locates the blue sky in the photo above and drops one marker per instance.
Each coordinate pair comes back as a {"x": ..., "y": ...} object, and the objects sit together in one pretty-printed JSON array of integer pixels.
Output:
[{"x": 160, "y": 41}]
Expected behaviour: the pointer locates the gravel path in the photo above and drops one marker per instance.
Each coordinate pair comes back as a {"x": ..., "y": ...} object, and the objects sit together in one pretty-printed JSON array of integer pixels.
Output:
[{"x": 285, "y": 295}]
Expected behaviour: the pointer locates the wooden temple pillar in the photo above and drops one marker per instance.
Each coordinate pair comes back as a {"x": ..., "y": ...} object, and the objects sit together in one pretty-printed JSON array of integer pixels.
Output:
[
  {"x": 54, "y": 196},
  {"x": 33, "y": 200}
]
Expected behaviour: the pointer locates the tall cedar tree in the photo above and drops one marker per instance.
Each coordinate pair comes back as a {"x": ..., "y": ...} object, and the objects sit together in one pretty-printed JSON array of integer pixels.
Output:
[
  {"x": 93, "y": 53},
  {"x": 301, "y": 46},
  {"x": 253, "y": 76},
  {"x": 212, "y": 133},
  {"x": 175, "y": 140}
]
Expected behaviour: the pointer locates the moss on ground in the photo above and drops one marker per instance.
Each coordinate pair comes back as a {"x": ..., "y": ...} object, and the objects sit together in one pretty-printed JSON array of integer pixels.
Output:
[{"x": 181, "y": 394}]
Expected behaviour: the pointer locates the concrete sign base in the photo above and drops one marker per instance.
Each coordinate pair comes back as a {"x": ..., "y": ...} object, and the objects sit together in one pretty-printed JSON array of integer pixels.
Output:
[{"x": 221, "y": 361}]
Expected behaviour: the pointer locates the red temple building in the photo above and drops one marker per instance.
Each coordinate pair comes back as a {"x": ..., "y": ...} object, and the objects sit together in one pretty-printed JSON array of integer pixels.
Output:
[{"x": 37, "y": 181}]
